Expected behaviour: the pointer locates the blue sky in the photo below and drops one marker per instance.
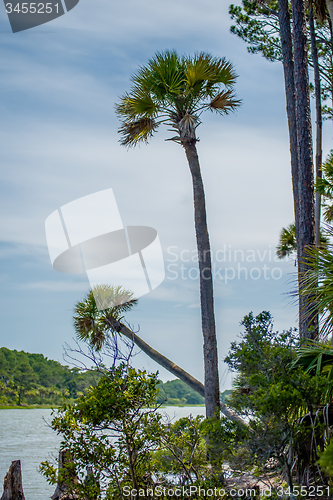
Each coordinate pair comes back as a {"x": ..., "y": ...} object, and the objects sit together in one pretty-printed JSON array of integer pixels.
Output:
[{"x": 59, "y": 142}]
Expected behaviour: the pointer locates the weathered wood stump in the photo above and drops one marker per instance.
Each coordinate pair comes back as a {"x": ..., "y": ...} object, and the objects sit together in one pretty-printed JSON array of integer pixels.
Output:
[
  {"x": 12, "y": 486},
  {"x": 63, "y": 490}
]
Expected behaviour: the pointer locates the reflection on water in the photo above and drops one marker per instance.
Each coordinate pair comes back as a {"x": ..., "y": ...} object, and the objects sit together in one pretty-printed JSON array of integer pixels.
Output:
[{"x": 25, "y": 436}]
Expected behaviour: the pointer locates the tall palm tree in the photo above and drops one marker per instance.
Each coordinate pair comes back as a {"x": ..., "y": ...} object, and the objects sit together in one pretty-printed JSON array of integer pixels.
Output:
[{"x": 175, "y": 90}]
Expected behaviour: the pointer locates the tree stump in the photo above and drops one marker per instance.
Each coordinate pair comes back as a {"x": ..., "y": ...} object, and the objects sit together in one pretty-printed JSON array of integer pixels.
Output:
[
  {"x": 12, "y": 486},
  {"x": 63, "y": 489}
]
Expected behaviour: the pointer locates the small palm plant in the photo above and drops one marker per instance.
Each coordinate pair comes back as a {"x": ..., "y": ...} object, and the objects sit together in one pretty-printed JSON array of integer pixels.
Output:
[
  {"x": 287, "y": 246},
  {"x": 324, "y": 186},
  {"x": 317, "y": 283}
]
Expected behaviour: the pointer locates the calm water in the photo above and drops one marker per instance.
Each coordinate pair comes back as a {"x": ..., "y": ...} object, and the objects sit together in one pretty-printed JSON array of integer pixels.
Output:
[{"x": 25, "y": 436}]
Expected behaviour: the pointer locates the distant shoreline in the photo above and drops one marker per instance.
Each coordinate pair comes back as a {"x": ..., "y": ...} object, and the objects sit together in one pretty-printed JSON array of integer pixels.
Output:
[{"x": 48, "y": 407}]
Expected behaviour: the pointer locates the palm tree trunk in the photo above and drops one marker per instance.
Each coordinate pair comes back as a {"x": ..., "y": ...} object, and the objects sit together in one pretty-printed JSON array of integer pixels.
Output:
[
  {"x": 211, "y": 376},
  {"x": 319, "y": 121},
  {"x": 308, "y": 325},
  {"x": 169, "y": 365},
  {"x": 289, "y": 83}
]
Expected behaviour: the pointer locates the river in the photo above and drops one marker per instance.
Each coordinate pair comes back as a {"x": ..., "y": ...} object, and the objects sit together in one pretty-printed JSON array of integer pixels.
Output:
[{"x": 25, "y": 436}]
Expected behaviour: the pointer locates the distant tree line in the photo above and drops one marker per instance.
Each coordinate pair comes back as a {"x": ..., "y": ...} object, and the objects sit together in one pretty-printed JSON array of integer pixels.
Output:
[{"x": 33, "y": 379}]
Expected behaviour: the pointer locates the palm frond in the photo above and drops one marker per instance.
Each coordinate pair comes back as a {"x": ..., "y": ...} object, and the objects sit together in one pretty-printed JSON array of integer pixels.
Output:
[
  {"x": 317, "y": 358},
  {"x": 137, "y": 103},
  {"x": 114, "y": 299},
  {"x": 316, "y": 286},
  {"x": 224, "y": 102},
  {"x": 287, "y": 241},
  {"x": 328, "y": 213},
  {"x": 135, "y": 131},
  {"x": 163, "y": 77}
]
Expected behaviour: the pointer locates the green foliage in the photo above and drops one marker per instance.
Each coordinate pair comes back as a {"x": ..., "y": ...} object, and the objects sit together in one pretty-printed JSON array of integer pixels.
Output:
[
  {"x": 175, "y": 90},
  {"x": 257, "y": 24},
  {"x": 32, "y": 379},
  {"x": 42, "y": 381},
  {"x": 317, "y": 358},
  {"x": 176, "y": 392},
  {"x": 287, "y": 241},
  {"x": 326, "y": 460},
  {"x": 275, "y": 397},
  {"x": 324, "y": 186},
  {"x": 116, "y": 431},
  {"x": 183, "y": 451},
  {"x": 317, "y": 285}
]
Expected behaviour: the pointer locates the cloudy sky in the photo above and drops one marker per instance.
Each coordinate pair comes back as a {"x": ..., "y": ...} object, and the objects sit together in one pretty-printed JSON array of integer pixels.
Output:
[{"x": 59, "y": 84}]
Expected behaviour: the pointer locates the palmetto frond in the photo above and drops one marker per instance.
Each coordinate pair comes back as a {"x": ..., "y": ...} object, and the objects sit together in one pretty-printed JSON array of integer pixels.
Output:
[
  {"x": 317, "y": 358},
  {"x": 205, "y": 74},
  {"x": 90, "y": 323},
  {"x": 139, "y": 103},
  {"x": 287, "y": 241},
  {"x": 324, "y": 186},
  {"x": 224, "y": 102},
  {"x": 173, "y": 88},
  {"x": 317, "y": 285},
  {"x": 135, "y": 131}
]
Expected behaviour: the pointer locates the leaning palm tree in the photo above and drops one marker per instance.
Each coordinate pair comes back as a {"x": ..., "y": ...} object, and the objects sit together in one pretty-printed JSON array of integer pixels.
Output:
[
  {"x": 176, "y": 90},
  {"x": 95, "y": 325}
]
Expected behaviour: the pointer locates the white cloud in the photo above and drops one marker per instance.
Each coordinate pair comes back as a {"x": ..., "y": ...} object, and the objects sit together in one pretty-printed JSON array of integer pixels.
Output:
[{"x": 56, "y": 286}]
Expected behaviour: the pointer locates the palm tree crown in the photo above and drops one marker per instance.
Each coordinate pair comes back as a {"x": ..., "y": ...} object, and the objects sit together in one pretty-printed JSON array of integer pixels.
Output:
[
  {"x": 91, "y": 324},
  {"x": 175, "y": 90}
]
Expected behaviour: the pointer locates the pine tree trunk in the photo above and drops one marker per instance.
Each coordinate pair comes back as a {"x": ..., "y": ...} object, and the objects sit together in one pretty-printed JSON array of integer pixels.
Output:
[
  {"x": 289, "y": 83},
  {"x": 12, "y": 487},
  {"x": 305, "y": 235},
  {"x": 319, "y": 121},
  {"x": 212, "y": 392}
]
